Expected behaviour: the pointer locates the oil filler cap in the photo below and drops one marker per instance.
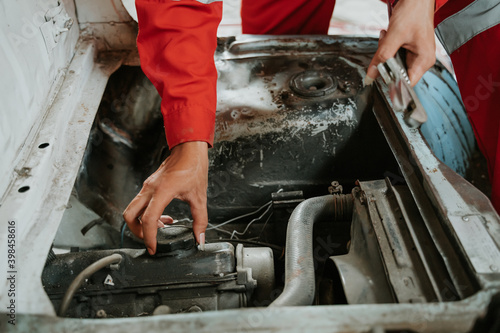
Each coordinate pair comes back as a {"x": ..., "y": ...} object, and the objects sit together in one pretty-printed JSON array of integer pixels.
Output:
[{"x": 173, "y": 238}]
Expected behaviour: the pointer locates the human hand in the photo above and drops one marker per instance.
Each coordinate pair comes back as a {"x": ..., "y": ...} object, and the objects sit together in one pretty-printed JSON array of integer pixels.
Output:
[
  {"x": 183, "y": 175},
  {"x": 411, "y": 26}
]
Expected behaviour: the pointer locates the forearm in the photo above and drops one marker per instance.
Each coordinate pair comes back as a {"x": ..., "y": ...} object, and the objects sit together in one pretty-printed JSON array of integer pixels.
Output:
[{"x": 176, "y": 43}]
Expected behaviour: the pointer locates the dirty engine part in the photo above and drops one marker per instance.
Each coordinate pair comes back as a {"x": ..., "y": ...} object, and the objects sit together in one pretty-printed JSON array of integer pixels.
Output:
[{"x": 185, "y": 280}]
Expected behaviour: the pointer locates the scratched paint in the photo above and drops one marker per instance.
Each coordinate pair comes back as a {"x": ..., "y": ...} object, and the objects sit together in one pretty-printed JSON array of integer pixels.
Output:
[
  {"x": 254, "y": 95},
  {"x": 269, "y": 136}
]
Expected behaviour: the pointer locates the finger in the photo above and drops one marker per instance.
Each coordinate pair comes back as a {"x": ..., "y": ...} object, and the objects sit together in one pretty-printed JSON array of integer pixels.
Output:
[
  {"x": 200, "y": 220},
  {"x": 382, "y": 34},
  {"x": 165, "y": 219},
  {"x": 418, "y": 64},
  {"x": 387, "y": 48},
  {"x": 133, "y": 212},
  {"x": 151, "y": 217},
  {"x": 136, "y": 228}
]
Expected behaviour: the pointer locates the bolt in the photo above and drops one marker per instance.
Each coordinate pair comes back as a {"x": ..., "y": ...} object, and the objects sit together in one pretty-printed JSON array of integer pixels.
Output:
[
  {"x": 362, "y": 199},
  {"x": 465, "y": 219},
  {"x": 335, "y": 188},
  {"x": 194, "y": 308},
  {"x": 347, "y": 87},
  {"x": 162, "y": 310},
  {"x": 101, "y": 314},
  {"x": 494, "y": 268}
]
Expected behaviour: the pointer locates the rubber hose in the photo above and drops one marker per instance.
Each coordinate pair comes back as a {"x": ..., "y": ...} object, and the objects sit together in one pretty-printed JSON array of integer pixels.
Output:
[
  {"x": 85, "y": 274},
  {"x": 299, "y": 263}
]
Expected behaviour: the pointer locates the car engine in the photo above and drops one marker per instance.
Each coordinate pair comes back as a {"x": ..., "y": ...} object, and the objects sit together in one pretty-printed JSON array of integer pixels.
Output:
[{"x": 307, "y": 202}]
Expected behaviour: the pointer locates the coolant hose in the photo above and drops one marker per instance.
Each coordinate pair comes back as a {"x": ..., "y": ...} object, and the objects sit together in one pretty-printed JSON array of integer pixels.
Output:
[
  {"x": 299, "y": 264},
  {"x": 85, "y": 274}
]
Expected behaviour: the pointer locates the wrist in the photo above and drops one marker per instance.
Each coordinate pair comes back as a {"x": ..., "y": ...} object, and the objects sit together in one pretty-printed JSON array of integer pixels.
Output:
[
  {"x": 191, "y": 146},
  {"x": 191, "y": 150},
  {"x": 414, "y": 9}
]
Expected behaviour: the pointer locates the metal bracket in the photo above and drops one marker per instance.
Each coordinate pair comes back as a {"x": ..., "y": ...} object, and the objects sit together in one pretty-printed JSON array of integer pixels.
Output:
[{"x": 244, "y": 273}]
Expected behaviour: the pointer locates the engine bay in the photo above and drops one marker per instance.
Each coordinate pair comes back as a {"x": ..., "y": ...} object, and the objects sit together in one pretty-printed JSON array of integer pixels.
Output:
[{"x": 297, "y": 145}]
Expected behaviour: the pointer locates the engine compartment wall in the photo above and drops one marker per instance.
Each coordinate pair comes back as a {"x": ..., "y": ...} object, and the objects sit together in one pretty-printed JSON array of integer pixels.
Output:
[{"x": 38, "y": 41}]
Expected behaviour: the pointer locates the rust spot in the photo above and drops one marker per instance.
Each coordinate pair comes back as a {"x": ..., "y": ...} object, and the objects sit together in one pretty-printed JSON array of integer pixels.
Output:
[
  {"x": 24, "y": 172},
  {"x": 295, "y": 274},
  {"x": 300, "y": 259},
  {"x": 85, "y": 108}
]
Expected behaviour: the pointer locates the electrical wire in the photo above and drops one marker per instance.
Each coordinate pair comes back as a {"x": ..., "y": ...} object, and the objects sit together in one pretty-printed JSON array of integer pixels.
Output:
[
  {"x": 269, "y": 203},
  {"x": 185, "y": 219},
  {"x": 91, "y": 224},
  {"x": 176, "y": 226},
  {"x": 85, "y": 274},
  {"x": 249, "y": 242},
  {"x": 122, "y": 233},
  {"x": 254, "y": 220},
  {"x": 220, "y": 229},
  {"x": 217, "y": 226},
  {"x": 264, "y": 226}
]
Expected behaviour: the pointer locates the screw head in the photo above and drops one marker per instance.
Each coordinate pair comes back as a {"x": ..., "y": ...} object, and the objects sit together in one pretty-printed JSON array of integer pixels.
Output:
[{"x": 101, "y": 314}]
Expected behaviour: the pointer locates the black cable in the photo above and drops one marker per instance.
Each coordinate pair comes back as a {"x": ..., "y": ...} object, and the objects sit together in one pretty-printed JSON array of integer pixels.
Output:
[
  {"x": 122, "y": 233},
  {"x": 249, "y": 242},
  {"x": 91, "y": 224}
]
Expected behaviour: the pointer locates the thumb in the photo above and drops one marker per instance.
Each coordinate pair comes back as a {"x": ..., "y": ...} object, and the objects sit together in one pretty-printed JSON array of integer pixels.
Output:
[
  {"x": 382, "y": 34},
  {"x": 418, "y": 65},
  {"x": 389, "y": 43}
]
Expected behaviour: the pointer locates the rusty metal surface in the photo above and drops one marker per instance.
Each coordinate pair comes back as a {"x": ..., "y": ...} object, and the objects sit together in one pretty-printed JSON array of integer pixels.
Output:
[
  {"x": 390, "y": 241},
  {"x": 279, "y": 141},
  {"x": 404, "y": 267},
  {"x": 462, "y": 210},
  {"x": 361, "y": 270},
  {"x": 267, "y": 137}
]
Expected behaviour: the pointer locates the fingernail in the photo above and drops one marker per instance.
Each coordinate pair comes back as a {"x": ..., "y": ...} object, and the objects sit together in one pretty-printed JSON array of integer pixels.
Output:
[
  {"x": 368, "y": 81},
  {"x": 202, "y": 242},
  {"x": 150, "y": 251}
]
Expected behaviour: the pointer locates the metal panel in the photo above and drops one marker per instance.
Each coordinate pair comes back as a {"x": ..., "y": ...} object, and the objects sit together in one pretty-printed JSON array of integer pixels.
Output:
[
  {"x": 101, "y": 11},
  {"x": 405, "y": 269},
  {"x": 33, "y": 61},
  {"x": 455, "y": 317},
  {"x": 38, "y": 196},
  {"x": 362, "y": 270},
  {"x": 453, "y": 198}
]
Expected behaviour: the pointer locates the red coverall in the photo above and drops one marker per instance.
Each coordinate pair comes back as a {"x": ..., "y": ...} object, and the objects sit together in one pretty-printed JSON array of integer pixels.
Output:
[{"x": 177, "y": 41}]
